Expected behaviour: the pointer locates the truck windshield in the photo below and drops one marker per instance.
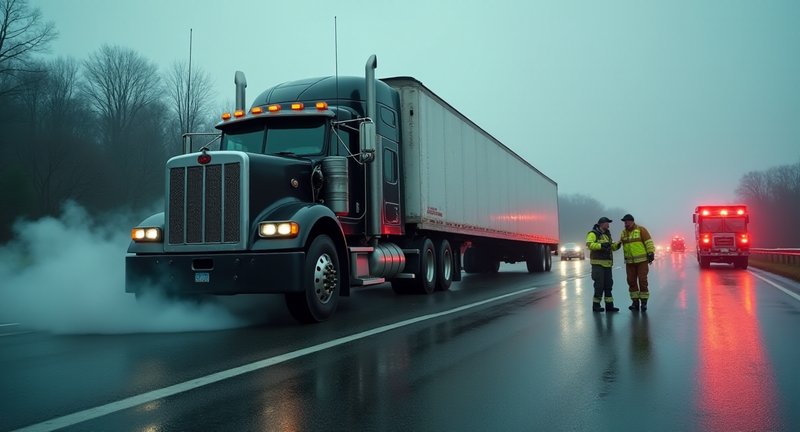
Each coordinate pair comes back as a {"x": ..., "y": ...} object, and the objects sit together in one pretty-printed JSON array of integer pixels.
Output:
[
  {"x": 736, "y": 225},
  {"x": 281, "y": 135}
]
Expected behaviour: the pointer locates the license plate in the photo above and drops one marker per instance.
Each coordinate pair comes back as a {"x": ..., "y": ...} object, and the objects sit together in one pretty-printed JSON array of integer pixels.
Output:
[
  {"x": 202, "y": 277},
  {"x": 724, "y": 250}
]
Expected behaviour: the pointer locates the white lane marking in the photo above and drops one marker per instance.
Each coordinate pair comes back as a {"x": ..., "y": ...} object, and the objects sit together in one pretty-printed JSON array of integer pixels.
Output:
[
  {"x": 9, "y": 324},
  {"x": 790, "y": 293},
  {"x": 130, "y": 402}
]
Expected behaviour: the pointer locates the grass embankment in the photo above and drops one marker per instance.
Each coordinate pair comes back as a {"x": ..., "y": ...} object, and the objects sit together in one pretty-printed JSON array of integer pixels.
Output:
[{"x": 785, "y": 270}]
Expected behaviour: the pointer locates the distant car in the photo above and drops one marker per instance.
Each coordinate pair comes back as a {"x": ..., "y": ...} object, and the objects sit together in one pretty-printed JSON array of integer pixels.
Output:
[
  {"x": 677, "y": 244},
  {"x": 572, "y": 250}
]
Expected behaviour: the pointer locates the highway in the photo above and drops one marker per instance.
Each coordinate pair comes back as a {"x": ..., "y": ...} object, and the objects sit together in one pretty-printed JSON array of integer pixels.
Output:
[{"x": 716, "y": 351}]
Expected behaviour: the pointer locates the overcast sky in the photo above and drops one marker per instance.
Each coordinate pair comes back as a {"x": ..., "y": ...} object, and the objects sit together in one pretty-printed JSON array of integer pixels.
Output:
[{"x": 654, "y": 107}]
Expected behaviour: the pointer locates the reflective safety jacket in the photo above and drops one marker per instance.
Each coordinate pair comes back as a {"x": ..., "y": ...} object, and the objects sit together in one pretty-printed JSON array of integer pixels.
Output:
[
  {"x": 636, "y": 244},
  {"x": 594, "y": 241}
]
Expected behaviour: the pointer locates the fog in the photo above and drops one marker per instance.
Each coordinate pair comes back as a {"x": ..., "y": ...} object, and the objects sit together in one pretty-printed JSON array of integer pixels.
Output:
[
  {"x": 654, "y": 107},
  {"x": 66, "y": 275}
]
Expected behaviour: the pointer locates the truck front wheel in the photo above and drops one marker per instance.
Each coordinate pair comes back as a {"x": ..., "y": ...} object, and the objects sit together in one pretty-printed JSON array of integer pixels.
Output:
[{"x": 321, "y": 274}]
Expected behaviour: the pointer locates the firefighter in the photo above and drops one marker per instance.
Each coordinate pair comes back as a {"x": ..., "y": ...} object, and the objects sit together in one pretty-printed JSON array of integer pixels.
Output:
[
  {"x": 639, "y": 250},
  {"x": 598, "y": 240}
]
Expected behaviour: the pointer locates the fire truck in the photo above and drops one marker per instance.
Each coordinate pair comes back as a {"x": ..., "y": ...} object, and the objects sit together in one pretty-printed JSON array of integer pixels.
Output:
[{"x": 721, "y": 236}]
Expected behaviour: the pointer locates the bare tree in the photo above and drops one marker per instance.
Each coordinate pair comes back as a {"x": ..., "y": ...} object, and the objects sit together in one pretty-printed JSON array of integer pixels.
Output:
[
  {"x": 189, "y": 101},
  {"x": 53, "y": 147},
  {"x": 124, "y": 90},
  {"x": 23, "y": 32},
  {"x": 774, "y": 199},
  {"x": 119, "y": 84}
]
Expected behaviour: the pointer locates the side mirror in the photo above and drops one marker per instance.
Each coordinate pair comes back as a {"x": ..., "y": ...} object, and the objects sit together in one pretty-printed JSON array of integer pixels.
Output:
[
  {"x": 694, "y": 218},
  {"x": 366, "y": 141}
]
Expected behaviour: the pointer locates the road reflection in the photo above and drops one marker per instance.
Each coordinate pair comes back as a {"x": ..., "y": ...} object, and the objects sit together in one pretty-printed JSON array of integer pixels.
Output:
[{"x": 736, "y": 388}]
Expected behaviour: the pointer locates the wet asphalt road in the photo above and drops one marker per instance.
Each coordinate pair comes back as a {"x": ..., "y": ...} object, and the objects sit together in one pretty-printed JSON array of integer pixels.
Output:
[{"x": 716, "y": 351}]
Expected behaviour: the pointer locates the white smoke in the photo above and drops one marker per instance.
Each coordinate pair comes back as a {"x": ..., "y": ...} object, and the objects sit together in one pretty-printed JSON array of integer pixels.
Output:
[{"x": 67, "y": 275}]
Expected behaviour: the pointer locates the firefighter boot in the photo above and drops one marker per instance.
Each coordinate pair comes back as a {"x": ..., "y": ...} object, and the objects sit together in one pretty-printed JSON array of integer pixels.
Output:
[
  {"x": 634, "y": 305},
  {"x": 596, "y": 306},
  {"x": 610, "y": 307},
  {"x": 644, "y": 304}
]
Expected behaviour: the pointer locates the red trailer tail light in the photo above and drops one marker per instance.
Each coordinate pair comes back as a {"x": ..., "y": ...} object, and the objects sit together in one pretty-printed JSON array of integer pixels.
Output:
[
  {"x": 743, "y": 239},
  {"x": 706, "y": 212},
  {"x": 706, "y": 239},
  {"x": 723, "y": 212}
]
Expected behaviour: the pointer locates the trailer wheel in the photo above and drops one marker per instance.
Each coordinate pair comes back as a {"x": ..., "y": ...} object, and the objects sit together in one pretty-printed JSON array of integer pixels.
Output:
[
  {"x": 321, "y": 272},
  {"x": 444, "y": 265},
  {"x": 535, "y": 259},
  {"x": 740, "y": 263},
  {"x": 471, "y": 261},
  {"x": 548, "y": 258},
  {"x": 704, "y": 262}
]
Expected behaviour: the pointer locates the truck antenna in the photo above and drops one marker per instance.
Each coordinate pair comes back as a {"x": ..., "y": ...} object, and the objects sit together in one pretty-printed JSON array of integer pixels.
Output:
[
  {"x": 189, "y": 84},
  {"x": 336, "y": 57}
]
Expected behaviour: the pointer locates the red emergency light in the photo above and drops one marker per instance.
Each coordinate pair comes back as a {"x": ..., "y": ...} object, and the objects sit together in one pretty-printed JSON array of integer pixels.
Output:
[{"x": 721, "y": 210}]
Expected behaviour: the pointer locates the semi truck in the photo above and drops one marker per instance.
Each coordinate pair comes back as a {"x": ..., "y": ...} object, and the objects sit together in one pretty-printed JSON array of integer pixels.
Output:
[
  {"x": 721, "y": 236},
  {"x": 329, "y": 184}
]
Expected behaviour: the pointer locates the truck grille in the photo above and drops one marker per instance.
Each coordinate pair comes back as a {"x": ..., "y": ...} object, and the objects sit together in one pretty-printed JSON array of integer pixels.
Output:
[
  {"x": 725, "y": 242},
  {"x": 205, "y": 204}
]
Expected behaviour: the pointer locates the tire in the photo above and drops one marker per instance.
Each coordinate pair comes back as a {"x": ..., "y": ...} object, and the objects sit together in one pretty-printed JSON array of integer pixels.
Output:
[
  {"x": 322, "y": 283},
  {"x": 548, "y": 258},
  {"x": 704, "y": 262},
  {"x": 535, "y": 259},
  {"x": 471, "y": 261},
  {"x": 425, "y": 277},
  {"x": 741, "y": 263},
  {"x": 444, "y": 265}
]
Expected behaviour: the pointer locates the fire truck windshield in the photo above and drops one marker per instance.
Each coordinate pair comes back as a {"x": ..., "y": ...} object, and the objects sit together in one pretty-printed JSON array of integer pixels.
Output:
[
  {"x": 297, "y": 136},
  {"x": 720, "y": 224}
]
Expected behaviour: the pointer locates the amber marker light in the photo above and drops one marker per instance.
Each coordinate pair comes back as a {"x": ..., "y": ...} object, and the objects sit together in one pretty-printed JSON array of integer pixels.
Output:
[
  {"x": 226, "y": 116},
  {"x": 238, "y": 113},
  {"x": 274, "y": 108},
  {"x": 322, "y": 106},
  {"x": 256, "y": 110},
  {"x": 297, "y": 106}
]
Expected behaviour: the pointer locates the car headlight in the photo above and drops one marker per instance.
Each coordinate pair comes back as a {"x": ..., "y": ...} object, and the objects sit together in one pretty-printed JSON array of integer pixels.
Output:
[
  {"x": 563, "y": 249},
  {"x": 286, "y": 229},
  {"x": 577, "y": 249},
  {"x": 146, "y": 234}
]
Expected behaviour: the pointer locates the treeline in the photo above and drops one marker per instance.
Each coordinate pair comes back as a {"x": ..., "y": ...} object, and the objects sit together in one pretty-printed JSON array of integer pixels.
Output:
[
  {"x": 95, "y": 130},
  {"x": 773, "y": 198},
  {"x": 578, "y": 213}
]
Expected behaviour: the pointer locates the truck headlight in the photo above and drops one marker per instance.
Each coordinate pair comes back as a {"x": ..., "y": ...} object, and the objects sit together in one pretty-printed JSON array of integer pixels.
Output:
[
  {"x": 287, "y": 229},
  {"x": 146, "y": 234}
]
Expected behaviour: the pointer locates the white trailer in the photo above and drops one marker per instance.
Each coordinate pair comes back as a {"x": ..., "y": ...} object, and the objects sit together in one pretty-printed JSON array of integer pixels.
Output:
[{"x": 460, "y": 179}]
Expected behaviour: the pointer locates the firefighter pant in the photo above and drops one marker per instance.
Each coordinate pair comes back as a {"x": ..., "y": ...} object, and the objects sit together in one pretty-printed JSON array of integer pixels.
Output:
[
  {"x": 602, "y": 283},
  {"x": 637, "y": 280}
]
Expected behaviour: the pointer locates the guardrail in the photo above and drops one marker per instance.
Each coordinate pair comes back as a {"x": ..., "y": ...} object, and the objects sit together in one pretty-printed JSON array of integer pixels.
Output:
[{"x": 780, "y": 256}]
